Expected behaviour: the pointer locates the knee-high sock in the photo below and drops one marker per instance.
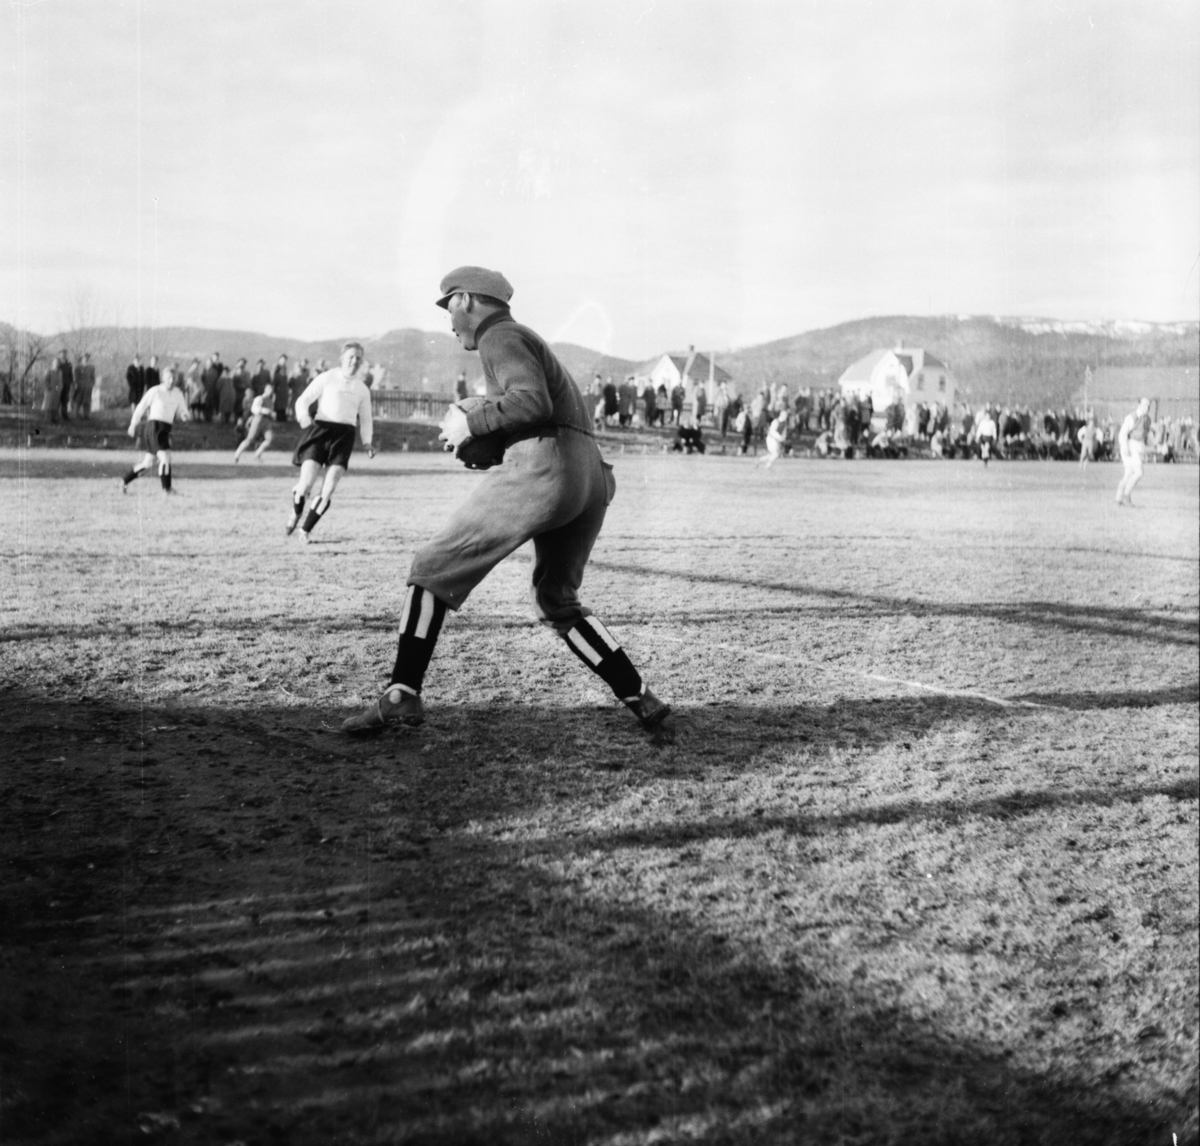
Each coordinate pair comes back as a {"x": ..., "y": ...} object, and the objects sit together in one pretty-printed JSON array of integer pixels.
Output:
[
  {"x": 164, "y": 475},
  {"x": 135, "y": 473},
  {"x": 316, "y": 511},
  {"x": 593, "y": 644},
  {"x": 297, "y": 504},
  {"x": 420, "y": 623}
]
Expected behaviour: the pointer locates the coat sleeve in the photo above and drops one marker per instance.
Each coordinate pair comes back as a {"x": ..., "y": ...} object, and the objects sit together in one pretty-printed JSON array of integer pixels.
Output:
[{"x": 525, "y": 394}]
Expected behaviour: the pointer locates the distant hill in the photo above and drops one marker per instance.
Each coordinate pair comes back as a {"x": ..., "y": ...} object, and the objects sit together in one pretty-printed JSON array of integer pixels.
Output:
[{"x": 1010, "y": 360}]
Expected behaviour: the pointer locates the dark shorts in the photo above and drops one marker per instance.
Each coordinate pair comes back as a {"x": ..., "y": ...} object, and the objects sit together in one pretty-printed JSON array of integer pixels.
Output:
[
  {"x": 328, "y": 443},
  {"x": 156, "y": 436}
]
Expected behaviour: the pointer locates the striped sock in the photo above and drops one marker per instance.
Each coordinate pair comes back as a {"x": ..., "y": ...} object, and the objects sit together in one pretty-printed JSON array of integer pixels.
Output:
[
  {"x": 315, "y": 513},
  {"x": 593, "y": 644},
  {"x": 420, "y": 623}
]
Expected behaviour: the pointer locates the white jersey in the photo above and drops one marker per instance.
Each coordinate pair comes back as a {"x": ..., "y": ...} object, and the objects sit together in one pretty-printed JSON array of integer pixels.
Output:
[
  {"x": 161, "y": 403},
  {"x": 262, "y": 406},
  {"x": 339, "y": 399}
]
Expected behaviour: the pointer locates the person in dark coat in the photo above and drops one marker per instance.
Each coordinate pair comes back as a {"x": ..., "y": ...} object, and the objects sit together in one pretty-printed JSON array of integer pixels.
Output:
[
  {"x": 651, "y": 400},
  {"x": 66, "y": 381},
  {"x": 612, "y": 400},
  {"x": 212, "y": 383},
  {"x": 135, "y": 380},
  {"x": 280, "y": 381}
]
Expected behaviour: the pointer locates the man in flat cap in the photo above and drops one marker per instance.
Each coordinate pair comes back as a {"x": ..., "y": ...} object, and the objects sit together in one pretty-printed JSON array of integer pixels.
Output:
[{"x": 552, "y": 487}]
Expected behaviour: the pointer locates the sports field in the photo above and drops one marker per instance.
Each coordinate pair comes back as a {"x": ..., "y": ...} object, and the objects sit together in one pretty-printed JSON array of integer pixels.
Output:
[{"x": 920, "y": 865}]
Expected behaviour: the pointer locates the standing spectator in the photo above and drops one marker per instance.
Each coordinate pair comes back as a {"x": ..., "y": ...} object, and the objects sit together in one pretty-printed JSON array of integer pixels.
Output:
[
  {"x": 85, "y": 384},
  {"x": 52, "y": 389},
  {"x": 279, "y": 381},
  {"x": 153, "y": 377},
  {"x": 612, "y": 401},
  {"x": 677, "y": 394},
  {"x": 66, "y": 380},
  {"x": 744, "y": 424},
  {"x": 135, "y": 380},
  {"x": 721, "y": 408},
  {"x": 226, "y": 397},
  {"x": 262, "y": 377},
  {"x": 298, "y": 383},
  {"x": 626, "y": 401},
  {"x": 193, "y": 389},
  {"x": 650, "y": 401},
  {"x": 460, "y": 386},
  {"x": 212, "y": 382},
  {"x": 699, "y": 403},
  {"x": 241, "y": 387}
]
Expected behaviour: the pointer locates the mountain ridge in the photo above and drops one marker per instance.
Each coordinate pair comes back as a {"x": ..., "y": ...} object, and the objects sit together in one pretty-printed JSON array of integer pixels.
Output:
[{"x": 1001, "y": 358}]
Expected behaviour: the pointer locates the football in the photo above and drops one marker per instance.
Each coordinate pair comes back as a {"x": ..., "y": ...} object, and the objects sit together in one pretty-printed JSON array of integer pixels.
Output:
[{"x": 480, "y": 453}]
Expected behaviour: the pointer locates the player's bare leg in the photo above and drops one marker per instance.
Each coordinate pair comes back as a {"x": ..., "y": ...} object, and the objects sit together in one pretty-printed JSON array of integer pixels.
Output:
[
  {"x": 268, "y": 438},
  {"x": 318, "y": 508}
]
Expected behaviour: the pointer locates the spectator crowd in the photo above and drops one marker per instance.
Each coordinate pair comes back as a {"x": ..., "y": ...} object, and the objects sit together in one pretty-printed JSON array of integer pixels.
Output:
[{"x": 847, "y": 426}]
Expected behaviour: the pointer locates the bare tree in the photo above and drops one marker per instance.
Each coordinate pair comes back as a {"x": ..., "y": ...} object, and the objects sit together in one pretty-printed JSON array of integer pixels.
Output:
[{"x": 22, "y": 350}]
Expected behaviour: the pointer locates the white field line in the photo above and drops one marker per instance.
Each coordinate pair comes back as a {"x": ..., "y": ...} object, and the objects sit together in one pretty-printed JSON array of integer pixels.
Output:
[{"x": 740, "y": 650}]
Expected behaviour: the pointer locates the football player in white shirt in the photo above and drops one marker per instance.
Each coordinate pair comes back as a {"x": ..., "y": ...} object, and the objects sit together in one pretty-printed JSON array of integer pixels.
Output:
[
  {"x": 160, "y": 406},
  {"x": 1132, "y": 439},
  {"x": 342, "y": 400},
  {"x": 261, "y": 412}
]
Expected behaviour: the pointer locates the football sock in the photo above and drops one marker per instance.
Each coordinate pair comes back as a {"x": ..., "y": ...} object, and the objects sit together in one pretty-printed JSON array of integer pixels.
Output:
[
  {"x": 164, "y": 476},
  {"x": 132, "y": 475},
  {"x": 420, "y": 623},
  {"x": 593, "y": 644},
  {"x": 315, "y": 512},
  {"x": 297, "y": 504}
]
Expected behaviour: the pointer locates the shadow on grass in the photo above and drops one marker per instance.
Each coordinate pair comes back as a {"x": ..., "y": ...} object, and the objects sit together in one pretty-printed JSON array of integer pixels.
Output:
[
  {"x": 230, "y": 924},
  {"x": 1099, "y": 620}
]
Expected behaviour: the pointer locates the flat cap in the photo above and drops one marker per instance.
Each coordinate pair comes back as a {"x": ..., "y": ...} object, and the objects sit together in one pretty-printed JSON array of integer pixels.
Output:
[{"x": 475, "y": 280}]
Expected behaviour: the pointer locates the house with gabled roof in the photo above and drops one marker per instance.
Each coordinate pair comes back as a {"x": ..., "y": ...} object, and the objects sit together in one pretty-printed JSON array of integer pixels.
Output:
[
  {"x": 909, "y": 374},
  {"x": 689, "y": 368}
]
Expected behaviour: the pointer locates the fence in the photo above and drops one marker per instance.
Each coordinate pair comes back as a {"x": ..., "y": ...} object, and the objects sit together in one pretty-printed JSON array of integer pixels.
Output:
[{"x": 408, "y": 406}]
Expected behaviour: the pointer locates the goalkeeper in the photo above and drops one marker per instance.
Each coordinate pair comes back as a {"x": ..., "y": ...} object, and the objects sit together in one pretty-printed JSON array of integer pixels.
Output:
[{"x": 549, "y": 485}]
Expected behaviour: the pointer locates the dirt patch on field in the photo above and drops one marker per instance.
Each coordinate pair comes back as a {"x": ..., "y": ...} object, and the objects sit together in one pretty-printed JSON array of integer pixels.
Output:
[{"x": 921, "y": 864}]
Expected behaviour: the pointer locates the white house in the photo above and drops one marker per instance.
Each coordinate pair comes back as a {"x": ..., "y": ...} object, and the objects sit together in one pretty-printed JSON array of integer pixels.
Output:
[
  {"x": 910, "y": 374},
  {"x": 689, "y": 368}
]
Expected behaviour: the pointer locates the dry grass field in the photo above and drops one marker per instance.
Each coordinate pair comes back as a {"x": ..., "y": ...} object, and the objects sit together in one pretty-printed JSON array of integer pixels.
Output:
[{"x": 920, "y": 865}]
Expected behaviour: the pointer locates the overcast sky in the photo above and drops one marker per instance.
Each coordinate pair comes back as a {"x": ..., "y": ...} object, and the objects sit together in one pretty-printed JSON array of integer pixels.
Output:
[{"x": 647, "y": 173}]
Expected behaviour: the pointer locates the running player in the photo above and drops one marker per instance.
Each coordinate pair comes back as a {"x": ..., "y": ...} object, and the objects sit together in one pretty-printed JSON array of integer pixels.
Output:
[
  {"x": 1131, "y": 440},
  {"x": 342, "y": 400},
  {"x": 776, "y": 436},
  {"x": 160, "y": 406},
  {"x": 262, "y": 410}
]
